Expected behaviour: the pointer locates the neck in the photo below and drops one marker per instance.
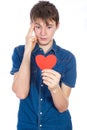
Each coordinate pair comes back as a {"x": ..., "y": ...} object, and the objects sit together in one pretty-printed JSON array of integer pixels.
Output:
[{"x": 46, "y": 47}]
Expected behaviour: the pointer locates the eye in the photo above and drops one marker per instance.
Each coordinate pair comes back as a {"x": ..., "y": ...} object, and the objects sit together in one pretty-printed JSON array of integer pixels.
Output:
[
  {"x": 37, "y": 26},
  {"x": 49, "y": 27}
]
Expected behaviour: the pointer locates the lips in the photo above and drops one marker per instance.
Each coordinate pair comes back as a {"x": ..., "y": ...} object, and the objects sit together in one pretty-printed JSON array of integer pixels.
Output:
[{"x": 43, "y": 39}]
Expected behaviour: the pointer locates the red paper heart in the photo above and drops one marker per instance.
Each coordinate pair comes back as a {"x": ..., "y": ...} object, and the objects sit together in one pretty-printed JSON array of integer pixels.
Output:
[{"x": 47, "y": 62}]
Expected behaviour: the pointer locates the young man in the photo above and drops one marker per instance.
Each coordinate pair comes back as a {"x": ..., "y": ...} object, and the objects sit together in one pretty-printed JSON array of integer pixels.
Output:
[{"x": 44, "y": 74}]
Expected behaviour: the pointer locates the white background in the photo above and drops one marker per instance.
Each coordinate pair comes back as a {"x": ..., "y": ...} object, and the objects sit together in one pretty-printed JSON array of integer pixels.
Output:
[{"x": 72, "y": 35}]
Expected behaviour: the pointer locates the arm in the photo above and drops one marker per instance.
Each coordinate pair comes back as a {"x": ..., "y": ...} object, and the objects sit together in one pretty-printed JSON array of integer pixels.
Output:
[
  {"x": 60, "y": 95},
  {"x": 21, "y": 83}
]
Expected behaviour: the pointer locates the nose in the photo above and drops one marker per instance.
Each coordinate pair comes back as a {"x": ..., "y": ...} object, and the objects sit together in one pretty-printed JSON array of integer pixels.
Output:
[{"x": 43, "y": 31}]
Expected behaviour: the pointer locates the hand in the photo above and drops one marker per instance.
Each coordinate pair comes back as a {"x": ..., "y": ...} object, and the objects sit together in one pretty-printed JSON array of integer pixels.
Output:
[
  {"x": 51, "y": 78},
  {"x": 30, "y": 39}
]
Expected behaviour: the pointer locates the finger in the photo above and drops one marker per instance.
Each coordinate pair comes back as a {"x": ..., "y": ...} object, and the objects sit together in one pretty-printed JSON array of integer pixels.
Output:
[
  {"x": 53, "y": 80},
  {"x": 51, "y": 84},
  {"x": 47, "y": 82},
  {"x": 31, "y": 29},
  {"x": 48, "y": 75},
  {"x": 34, "y": 40},
  {"x": 47, "y": 79},
  {"x": 50, "y": 71}
]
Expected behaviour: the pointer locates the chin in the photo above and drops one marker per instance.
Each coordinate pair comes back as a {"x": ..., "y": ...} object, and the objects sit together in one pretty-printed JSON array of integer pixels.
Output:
[{"x": 44, "y": 42}]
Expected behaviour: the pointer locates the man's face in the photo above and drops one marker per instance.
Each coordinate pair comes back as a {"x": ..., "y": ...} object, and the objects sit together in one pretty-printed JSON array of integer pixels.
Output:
[{"x": 44, "y": 32}]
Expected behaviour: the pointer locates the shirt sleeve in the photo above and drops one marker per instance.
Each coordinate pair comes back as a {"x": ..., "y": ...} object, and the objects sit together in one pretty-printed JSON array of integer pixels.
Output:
[
  {"x": 16, "y": 60},
  {"x": 70, "y": 74}
]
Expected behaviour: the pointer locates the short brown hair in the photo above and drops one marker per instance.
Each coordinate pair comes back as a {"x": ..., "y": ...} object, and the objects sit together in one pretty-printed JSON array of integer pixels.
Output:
[{"x": 44, "y": 10}]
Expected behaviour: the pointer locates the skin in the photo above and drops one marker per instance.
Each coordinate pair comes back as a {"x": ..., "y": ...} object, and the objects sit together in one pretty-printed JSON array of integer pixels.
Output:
[{"x": 21, "y": 85}]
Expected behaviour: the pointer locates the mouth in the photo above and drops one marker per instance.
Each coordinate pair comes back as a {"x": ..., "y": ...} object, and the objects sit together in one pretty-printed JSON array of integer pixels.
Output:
[{"x": 43, "y": 39}]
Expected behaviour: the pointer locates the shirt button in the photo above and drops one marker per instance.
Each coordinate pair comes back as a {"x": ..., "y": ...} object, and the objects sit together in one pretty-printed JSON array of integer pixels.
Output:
[
  {"x": 40, "y": 49},
  {"x": 40, "y": 113},
  {"x": 40, "y": 125},
  {"x": 41, "y": 99},
  {"x": 41, "y": 85}
]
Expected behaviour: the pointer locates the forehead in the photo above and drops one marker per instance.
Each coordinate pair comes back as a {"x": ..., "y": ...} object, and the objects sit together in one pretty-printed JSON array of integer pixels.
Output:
[{"x": 47, "y": 22}]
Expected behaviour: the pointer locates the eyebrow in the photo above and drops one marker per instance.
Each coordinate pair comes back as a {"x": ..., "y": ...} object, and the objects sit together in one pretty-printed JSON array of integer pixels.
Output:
[
  {"x": 37, "y": 23},
  {"x": 49, "y": 24}
]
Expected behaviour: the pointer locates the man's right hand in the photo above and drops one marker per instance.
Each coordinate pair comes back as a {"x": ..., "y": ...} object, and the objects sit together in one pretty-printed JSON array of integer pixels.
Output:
[{"x": 30, "y": 39}]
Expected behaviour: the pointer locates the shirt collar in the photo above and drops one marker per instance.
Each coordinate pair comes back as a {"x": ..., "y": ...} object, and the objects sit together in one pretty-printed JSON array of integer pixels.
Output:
[{"x": 53, "y": 48}]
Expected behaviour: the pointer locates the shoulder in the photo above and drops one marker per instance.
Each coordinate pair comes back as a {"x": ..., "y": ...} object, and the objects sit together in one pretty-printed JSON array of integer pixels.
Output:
[
  {"x": 19, "y": 49},
  {"x": 64, "y": 53}
]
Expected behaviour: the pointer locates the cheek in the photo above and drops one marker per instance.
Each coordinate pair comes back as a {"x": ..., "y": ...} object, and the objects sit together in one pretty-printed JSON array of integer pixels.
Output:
[
  {"x": 52, "y": 33},
  {"x": 36, "y": 32}
]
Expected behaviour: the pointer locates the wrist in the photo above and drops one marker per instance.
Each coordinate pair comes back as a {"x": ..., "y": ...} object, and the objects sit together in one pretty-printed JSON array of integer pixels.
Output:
[{"x": 54, "y": 90}]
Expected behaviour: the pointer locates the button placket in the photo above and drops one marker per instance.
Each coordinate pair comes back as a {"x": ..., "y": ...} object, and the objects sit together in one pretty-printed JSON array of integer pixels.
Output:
[
  {"x": 41, "y": 99},
  {"x": 40, "y": 104}
]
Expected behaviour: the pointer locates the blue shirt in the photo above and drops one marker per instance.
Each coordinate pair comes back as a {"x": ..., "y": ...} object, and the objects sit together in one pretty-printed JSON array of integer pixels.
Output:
[{"x": 37, "y": 110}]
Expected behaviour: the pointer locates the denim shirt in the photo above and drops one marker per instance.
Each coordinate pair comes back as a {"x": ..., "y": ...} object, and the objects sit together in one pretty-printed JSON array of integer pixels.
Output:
[{"x": 37, "y": 110}]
